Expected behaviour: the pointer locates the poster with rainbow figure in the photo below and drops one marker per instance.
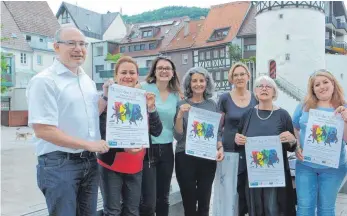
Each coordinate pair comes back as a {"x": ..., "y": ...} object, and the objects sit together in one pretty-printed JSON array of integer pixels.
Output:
[
  {"x": 264, "y": 159},
  {"x": 323, "y": 138},
  {"x": 202, "y": 133},
  {"x": 127, "y": 125}
]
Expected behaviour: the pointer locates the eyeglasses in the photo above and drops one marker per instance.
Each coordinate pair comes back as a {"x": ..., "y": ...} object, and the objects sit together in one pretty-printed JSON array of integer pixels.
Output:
[
  {"x": 73, "y": 44},
  {"x": 264, "y": 86},
  {"x": 164, "y": 68},
  {"x": 239, "y": 75}
]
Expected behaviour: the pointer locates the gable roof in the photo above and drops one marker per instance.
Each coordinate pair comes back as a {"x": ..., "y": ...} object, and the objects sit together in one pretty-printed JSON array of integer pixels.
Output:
[
  {"x": 166, "y": 31},
  {"x": 180, "y": 41},
  {"x": 248, "y": 27},
  {"x": 34, "y": 17},
  {"x": 84, "y": 19},
  {"x": 219, "y": 17},
  {"x": 9, "y": 30}
]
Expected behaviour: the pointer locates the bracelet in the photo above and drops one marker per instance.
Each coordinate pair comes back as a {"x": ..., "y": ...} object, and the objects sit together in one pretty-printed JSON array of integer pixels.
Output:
[
  {"x": 293, "y": 142},
  {"x": 104, "y": 97},
  {"x": 219, "y": 147},
  {"x": 297, "y": 147}
]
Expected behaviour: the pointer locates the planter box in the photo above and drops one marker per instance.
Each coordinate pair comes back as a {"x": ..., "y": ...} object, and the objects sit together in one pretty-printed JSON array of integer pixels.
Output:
[{"x": 14, "y": 118}]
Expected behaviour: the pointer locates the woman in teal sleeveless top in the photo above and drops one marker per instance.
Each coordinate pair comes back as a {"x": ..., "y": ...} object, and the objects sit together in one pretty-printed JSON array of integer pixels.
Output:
[{"x": 158, "y": 164}]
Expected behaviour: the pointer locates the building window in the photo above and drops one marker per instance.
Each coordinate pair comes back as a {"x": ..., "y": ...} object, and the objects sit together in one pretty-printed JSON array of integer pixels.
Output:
[
  {"x": 23, "y": 58},
  {"x": 39, "y": 60},
  {"x": 215, "y": 53},
  {"x": 113, "y": 65},
  {"x": 131, "y": 48},
  {"x": 287, "y": 56},
  {"x": 208, "y": 54},
  {"x": 142, "y": 46},
  {"x": 99, "y": 51},
  {"x": 152, "y": 46},
  {"x": 65, "y": 18},
  {"x": 41, "y": 40},
  {"x": 148, "y": 63},
  {"x": 250, "y": 47},
  {"x": 146, "y": 34},
  {"x": 184, "y": 58},
  {"x": 122, "y": 49},
  {"x": 202, "y": 56},
  {"x": 219, "y": 34},
  {"x": 99, "y": 68},
  {"x": 28, "y": 38},
  {"x": 222, "y": 53},
  {"x": 137, "y": 47}
]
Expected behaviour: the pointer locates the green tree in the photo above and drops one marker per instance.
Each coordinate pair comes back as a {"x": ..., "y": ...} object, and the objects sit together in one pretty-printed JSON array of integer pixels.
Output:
[
  {"x": 167, "y": 13},
  {"x": 113, "y": 58},
  {"x": 4, "y": 66},
  {"x": 234, "y": 52}
]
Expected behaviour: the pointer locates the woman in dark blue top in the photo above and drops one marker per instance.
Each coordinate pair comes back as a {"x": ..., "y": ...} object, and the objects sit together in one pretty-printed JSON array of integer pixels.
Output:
[{"x": 233, "y": 105}]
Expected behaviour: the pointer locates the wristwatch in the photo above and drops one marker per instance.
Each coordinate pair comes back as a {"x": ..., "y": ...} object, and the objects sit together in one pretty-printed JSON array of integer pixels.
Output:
[{"x": 104, "y": 97}]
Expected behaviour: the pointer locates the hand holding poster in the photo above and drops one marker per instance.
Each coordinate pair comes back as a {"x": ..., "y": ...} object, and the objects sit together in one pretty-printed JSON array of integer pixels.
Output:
[
  {"x": 225, "y": 197},
  {"x": 127, "y": 124},
  {"x": 202, "y": 133},
  {"x": 323, "y": 138},
  {"x": 265, "y": 162}
]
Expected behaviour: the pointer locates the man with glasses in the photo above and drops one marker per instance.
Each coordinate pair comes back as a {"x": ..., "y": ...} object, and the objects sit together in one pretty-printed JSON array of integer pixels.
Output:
[{"x": 64, "y": 112}]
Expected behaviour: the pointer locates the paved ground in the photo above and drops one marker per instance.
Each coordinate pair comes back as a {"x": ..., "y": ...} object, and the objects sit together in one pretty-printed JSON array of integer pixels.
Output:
[{"x": 19, "y": 192}]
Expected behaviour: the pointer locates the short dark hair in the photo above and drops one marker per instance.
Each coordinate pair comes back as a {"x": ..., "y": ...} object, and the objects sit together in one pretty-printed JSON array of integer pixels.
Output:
[{"x": 174, "y": 83}]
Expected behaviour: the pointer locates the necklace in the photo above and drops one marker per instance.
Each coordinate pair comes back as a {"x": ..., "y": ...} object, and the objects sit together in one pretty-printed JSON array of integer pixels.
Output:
[
  {"x": 197, "y": 101},
  {"x": 266, "y": 117}
]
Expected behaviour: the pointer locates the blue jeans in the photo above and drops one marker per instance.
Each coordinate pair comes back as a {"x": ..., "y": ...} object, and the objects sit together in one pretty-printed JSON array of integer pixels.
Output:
[
  {"x": 317, "y": 188},
  {"x": 69, "y": 183},
  {"x": 121, "y": 192}
]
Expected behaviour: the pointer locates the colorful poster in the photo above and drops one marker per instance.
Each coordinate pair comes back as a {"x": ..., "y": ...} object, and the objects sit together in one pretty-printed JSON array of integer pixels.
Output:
[
  {"x": 323, "y": 138},
  {"x": 127, "y": 124},
  {"x": 225, "y": 197},
  {"x": 202, "y": 133},
  {"x": 265, "y": 162}
]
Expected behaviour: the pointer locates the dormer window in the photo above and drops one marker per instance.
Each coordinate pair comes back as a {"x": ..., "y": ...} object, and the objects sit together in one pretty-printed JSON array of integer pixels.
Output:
[
  {"x": 219, "y": 34},
  {"x": 146, "y": 34},
  {"x": 65, "y": 17}
]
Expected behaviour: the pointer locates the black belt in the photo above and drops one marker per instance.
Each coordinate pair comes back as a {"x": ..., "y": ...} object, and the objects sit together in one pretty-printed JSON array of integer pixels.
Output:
[{"x": 84, "y": 154}]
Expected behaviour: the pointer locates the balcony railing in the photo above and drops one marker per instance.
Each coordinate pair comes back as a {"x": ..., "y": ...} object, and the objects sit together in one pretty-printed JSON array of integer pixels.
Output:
[
  {"x": 110, "y": 73},
  {"x": 337, "y": 44},
  {"x": 331, "y": 20}
]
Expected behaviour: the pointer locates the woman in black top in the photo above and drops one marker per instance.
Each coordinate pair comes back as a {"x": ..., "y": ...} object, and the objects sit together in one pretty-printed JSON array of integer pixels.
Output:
[
  {"x": 268, "y": 120},
  {"x": 233, "y": 105}
]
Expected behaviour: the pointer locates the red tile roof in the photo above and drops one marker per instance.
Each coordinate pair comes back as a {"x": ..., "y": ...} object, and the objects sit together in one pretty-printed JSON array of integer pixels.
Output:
[
  {"x": 222, "y": 16},
  {"x": 180, "y": 41}
]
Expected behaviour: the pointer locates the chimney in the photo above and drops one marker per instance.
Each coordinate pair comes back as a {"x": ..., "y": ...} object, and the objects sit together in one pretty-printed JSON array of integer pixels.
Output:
[
  {"x": 186, "y": 28},
  {"x": 202, "y": 17},
  {"x": 121, "y": 11}
]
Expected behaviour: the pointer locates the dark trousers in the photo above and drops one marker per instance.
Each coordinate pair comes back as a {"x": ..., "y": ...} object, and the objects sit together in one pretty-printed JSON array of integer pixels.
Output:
[
  {"x": 256, "y": 201},
  {"x": 121, "y": 192},
  {"x": 243, "y": 192},
  {"x": 195, "y": 178},
  {"x": 156, "y": 180},
  {"x": 69, "y": 183}
]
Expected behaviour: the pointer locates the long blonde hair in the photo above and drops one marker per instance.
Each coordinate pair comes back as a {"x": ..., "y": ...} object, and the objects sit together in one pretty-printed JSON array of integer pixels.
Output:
[{"x": 311, "y": 99}]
